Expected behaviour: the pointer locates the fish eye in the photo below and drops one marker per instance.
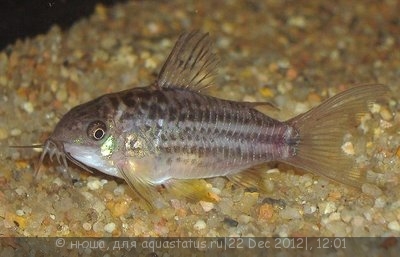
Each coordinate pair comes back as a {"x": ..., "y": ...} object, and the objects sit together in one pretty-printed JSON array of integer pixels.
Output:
[{"x": 96, "y": 130}]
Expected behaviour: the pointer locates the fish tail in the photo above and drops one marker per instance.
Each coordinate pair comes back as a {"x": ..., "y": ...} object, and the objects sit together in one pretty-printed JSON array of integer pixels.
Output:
[{"x": 321, "y": 134}]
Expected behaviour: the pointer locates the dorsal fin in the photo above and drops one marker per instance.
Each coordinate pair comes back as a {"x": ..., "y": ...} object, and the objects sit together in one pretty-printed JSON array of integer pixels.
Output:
[{"x": 191, "y": 63}]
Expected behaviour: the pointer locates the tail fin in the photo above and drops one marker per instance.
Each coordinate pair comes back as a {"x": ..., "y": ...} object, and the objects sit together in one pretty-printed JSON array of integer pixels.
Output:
[{"x": 321, "y": 134}]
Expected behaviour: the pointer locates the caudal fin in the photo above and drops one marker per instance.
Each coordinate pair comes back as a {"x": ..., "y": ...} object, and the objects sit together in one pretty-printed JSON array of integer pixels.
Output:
[{"x": 322, "y": 130}]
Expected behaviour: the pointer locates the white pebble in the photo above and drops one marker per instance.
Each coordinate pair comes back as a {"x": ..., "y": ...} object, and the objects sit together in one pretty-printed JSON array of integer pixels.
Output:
[
  {"x": 199, "y": 225},
  {"x": 20, "y": 190},
  {"x": 19, "y": 212},
  {"x": 15, "y": 132},
  {"x": 394, "y": 225},
  {"x": 375, "y": 108},
  {"x": 28, "y": 107},
  {"x": 110, "y": 227},
  {"x": 380, "y": 202},
  {"x": 58, "y": 182},
  {"x": 87, "y": 226},
  {"x": 94, "y": 184},
  {"x": 271, "y": 171},
  {"x": 348, "y": 148},
  {"x": 216, "y": 191},
  {"x": 119, "y": 190},
  {"x": 327, "y": 207},
  {"x": 297, "y": 21},
  {"x": 301, "y": 108},
  {"x": 207, "y": 206},
  {"x": 309, "y": 208}
]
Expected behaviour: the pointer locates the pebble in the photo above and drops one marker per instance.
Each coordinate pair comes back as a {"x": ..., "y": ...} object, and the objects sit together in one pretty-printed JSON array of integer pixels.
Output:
[
  {"x": 87, "y": 226},
  {"x": 309, "y": 208},
  {"x": 98, "y": 205},
  {"x": 119, "y": 208},
  {"x": 266, "y": 212},
  {"x": 119, "y": 190},
  {"x": 98, "y": 226},
  {"x": 28, "y": 107},
  {"x": 230, "y": 222},
  {"x": 380, "y": 202},
  {"x": 20, "y": 212},
  {"x": 385, "y": 114},
  {"x": 94, "y": 184},
  {"x": 338, "y": 228},
  {"x": 20, "y": 191},
  {"x": 15, "y": 132},
  {"x": 58, "y": 182},
  {"x": 348, "y": 148},
  {"x": 199, "y": 225},
  {"x": 290, "y": 213},
  {"x": 272, "y": 171},
  {"x": 301, "y": 108},
  {"x": 110, "y": 227},
  {"x": 207, "y": 206},
  {"x": 244, "y": 219},
  {"x": 276, "y": 202},
  {"x": 375, "y": 108},
  {"x": 62, "y": 94},
  {"x": 371, "y": 190},
  {"x": 334, "y": 216},
  {"x": 358, "y": 221},
  {"x": 346, "y": 215},
  {"x": 297, "y": 21},
  {"x": 307, "y": 180},
  {"x": 327, "y": 207},
  {"x": 394, "y": 225}
]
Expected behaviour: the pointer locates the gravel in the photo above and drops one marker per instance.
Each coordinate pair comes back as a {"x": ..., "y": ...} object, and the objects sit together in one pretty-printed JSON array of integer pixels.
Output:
[{"x": 293, "y": 54}]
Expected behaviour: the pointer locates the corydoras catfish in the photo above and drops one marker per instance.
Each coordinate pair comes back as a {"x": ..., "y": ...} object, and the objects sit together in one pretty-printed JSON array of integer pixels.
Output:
[{"x": 170, "y": 134}]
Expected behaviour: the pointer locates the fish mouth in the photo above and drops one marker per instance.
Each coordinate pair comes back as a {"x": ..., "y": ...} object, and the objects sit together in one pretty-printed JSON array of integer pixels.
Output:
[{"x": 56, "y": 149}]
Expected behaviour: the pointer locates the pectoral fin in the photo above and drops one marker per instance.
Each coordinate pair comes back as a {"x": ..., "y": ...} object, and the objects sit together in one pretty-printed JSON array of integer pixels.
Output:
[{"x": 139, "y": 182}]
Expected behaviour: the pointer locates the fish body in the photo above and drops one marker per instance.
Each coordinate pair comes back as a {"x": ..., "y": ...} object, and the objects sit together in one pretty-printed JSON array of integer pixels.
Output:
[
  {"x": 171, "y": 134},
  {"x": 182, "y": 134}
]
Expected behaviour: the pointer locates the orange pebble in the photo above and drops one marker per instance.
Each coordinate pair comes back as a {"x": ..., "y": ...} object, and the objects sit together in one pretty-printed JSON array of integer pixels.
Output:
[{"x": 266, "y": 212}]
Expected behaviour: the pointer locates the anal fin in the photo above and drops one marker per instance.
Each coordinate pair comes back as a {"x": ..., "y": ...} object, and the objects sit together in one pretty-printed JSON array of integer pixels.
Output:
[
  {"x": 251, "y": 178},
  {"x": 193, "y": 189}
]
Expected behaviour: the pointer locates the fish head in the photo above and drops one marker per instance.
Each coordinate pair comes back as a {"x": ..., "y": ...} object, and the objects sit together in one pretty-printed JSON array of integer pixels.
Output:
[{"x": 86, "y": 136}]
